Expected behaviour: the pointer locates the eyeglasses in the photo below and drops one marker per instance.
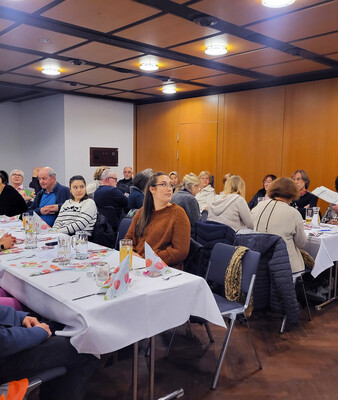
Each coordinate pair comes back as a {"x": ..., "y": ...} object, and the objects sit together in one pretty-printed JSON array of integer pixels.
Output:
[
  {"x": 17, "y": 175},
  {"x": 165, "y": 185},
  {"x": 297, "y": 179},
  {"x": 111, "y": 177}
]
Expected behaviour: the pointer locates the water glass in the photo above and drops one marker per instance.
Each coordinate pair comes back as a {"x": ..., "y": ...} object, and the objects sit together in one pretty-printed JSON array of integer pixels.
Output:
[
  {"x": 101, "y": 273},
  {"x": 64, "y": 250},
  {"x": 126, "y": 247},
  {"x": 30, "y": 233},
  {"x": 80, "y": 244}
]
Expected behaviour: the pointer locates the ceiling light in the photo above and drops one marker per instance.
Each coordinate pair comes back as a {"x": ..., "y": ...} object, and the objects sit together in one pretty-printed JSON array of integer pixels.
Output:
[
  {"x": 216, "y": 50},
  {"x": 44, "y": 40},
  {"x": 277, "y": 3},
  {"x": 149, "y": 66},
  {"x": 51, "y": 70},
  {"x": 169, "y": 89}
]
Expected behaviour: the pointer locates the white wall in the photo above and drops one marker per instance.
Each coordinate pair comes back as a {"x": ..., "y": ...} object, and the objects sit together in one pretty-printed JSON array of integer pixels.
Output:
[
  {"x": 42, "y": 135},
  {"x": 10, "y": 137},
  {"x": 96, "y": 123}
]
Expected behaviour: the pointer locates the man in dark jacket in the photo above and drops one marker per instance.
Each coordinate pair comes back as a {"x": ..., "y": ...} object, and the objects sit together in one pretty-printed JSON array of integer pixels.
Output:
[
  {"x": 125, "y": 183},
  {"x": 49, "y": 200},
  {"x": 27, "y": 347}
]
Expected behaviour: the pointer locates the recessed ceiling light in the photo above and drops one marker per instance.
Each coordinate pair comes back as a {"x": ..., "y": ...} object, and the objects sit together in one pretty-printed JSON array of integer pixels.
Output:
[
  {"x": 216, "y": 50},
  {"x": 51, "y": 70},
  {"x": 44, "y": 40},
  {"x": 277, "y": 3},
  {"x": 169, "y": 89},
  {"x": 149, "y": 66}
]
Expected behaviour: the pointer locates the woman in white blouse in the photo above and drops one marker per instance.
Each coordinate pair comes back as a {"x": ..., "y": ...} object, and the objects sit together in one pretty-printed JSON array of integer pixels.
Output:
[{"x": 79, "y": 213}]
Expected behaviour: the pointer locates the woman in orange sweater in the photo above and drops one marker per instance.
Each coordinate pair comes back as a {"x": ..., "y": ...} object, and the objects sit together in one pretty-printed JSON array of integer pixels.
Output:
[{"x": 164, "y": 226}]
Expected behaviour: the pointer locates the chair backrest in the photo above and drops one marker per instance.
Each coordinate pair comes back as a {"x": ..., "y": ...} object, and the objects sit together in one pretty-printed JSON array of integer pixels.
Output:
[
  {"x": 122, "y": 231},
  {"x": 103, "y": 233},
  {"x": 110, "y": 213},
  {"x": 219, "y": 261}
]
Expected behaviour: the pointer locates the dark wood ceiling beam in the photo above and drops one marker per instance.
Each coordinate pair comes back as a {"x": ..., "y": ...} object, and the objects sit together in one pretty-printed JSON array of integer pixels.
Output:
[
  {"x": 92, "y": 35},
  {"x": 181, "y": 10}
]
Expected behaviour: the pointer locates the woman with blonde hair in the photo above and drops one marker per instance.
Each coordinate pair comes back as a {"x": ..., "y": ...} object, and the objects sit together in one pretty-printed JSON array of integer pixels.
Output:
[
  {"x": 230, "y": 208},
  {"x": 92, "y": 186},
  {"x": 206, "y": 192},
  {"x": 185, "y": 198}
]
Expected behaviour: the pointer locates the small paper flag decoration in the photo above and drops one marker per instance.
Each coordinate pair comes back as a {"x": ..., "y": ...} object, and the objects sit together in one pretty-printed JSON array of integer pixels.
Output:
[
  {"x": 41, "y": 226},
  {"x": 119, "y": 280},
  {"x": 154, "y": 264}
]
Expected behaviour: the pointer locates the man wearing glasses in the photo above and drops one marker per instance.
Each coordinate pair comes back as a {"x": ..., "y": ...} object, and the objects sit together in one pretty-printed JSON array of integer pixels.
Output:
[{"x": 108, "y": 194}]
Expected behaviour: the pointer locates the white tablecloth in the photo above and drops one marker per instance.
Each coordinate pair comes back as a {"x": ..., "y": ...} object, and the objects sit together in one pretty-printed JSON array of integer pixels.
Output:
[
  {"x": 150, "y": 306},
  {"x": 323, "y": 248}
]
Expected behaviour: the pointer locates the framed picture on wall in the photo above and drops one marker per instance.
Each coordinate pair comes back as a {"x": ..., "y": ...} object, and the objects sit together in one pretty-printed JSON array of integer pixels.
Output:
[{"x": 104, "y": 156}]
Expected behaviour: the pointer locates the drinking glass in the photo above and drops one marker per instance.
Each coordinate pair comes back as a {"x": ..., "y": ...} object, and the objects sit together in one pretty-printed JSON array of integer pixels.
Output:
[
  {"x": 30, "y": 233},
  {"x": 24, "y": 216},
  {"x": 101, "y": 273},
  {"x": 315, "y": 218},
  {"x": 64, "y": 249},
  {"x": 80, "y": 244},
  {"x": 126, "y": 247},
  {"x": 308, "y": 215}
]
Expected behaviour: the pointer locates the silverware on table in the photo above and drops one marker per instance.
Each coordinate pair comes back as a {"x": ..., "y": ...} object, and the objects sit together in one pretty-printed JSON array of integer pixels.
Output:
[
  {"x": 23, "y": 256},
  {"x": 166, "y": 278},
  {"x": 86, "y": 295},
  {"x": 66, "y": 282}
]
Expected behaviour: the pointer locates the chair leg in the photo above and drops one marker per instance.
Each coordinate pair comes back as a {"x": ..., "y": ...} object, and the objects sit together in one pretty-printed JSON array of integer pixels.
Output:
[
  {"x": 305, "y": 297},
  {"x": 207, "y": 328},
  {"x": 283, "y": 324},
  {"x": 253, "y": 345},
  {"x": 170, "y": 343},
  {"x": 222, "y": 354}
]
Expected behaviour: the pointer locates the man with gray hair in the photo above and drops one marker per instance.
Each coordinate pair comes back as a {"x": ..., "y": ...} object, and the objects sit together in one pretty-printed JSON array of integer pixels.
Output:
[
  {"x": 49, "y": 200},
  {"x": 108, "y": 194}
]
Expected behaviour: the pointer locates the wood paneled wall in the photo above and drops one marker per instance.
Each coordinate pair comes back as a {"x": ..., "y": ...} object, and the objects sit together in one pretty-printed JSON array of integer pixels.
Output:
[{"x": 272, "y": 130}]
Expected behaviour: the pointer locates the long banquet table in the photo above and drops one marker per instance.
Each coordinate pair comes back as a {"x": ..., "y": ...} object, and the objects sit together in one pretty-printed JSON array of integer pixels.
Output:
[{"x": 97, "y": 326}]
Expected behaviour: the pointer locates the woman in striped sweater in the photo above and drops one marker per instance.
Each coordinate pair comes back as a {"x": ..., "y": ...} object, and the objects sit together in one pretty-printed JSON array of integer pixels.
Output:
[{"x": 79, "y": 212}]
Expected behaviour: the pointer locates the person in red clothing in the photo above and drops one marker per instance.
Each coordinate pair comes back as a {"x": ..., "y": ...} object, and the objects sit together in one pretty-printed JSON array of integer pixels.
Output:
[{"x": 164, "y": 226}]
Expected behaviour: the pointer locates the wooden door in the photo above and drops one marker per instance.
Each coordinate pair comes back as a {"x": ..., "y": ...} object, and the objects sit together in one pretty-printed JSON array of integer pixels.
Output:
[{"x": 196, "y": 148}]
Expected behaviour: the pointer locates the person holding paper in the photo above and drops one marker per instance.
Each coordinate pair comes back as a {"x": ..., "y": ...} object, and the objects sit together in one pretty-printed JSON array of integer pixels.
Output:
[
  {"x": 331, "y": 214},
  {"x": 164, "y": 226},
  {"x": 306, "y": 199}
]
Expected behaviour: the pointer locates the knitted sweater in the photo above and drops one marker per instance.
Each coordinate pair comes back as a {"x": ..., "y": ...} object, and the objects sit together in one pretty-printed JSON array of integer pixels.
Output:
[
  {"x": 168, "y": 234},
  {"x": 74, "y": 217}
]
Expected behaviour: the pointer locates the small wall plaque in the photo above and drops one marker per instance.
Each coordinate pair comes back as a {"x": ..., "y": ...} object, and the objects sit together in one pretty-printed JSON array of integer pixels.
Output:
[{"x": 104, "y": 156}]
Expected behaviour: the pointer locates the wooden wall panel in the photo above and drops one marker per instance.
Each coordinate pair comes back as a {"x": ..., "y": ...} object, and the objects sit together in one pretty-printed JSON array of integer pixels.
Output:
[
  {"x": 253, "y": 135},
  {"x": 311, "y": 132}
]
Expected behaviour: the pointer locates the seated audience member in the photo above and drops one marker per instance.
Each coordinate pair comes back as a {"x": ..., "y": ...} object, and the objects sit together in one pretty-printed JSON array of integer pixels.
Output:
[
  {"x": 185, "y": 198},
  {"x": 136, "y": 197},
  {"x": 35, "y": 180},
  {"x": 92, "y": 186},
  {"x": 125, "y": 183},
  {"x": 331, "y": 214},
  {"x": 49, "y": 200},
  {"x": 164, "y": 226},
  {"x": 230, "y": 208},
  {"x": 16, "y": 180},
  {"x": 6, "y": 241},
  {"x": 79, "y": 213},
  {"x": 262, "y": 192},
  {"x": 11, "y": 202},
  {"x": 28, "y": 347},
  {"x": 108, "y": 194},
  {"x": 306, "y": 199},
  {"x": 175, "y": 180},
  {"x": 206, "y": 192},
  {"x": 276, "y": 217}
]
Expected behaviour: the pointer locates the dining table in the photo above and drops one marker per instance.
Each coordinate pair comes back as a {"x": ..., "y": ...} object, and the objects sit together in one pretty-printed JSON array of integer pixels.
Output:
[
  {"x": 322, "y": 245},
  {"x": 69, "y": 295}
]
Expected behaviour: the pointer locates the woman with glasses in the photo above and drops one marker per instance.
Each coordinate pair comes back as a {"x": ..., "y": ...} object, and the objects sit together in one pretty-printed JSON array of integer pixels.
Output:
[
  {"x": 230, "y": 208},
  {"x": 11, "y": 202},
  {"x": 261, "y": 194},
  {"x": 16, "y": 180},
  {"x": 164, "y": 226},
  {"x": 306, "y": 199},
  {"x": 206, "y": 192},
  {"x": 79, "y": 212}
]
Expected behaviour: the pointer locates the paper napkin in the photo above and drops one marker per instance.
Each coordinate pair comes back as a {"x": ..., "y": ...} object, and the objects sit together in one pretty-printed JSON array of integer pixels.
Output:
[
  {"x": 154, "y": 265},
  {"x": 41, "y": 226},
  {"x": 118, "y": 280}
]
